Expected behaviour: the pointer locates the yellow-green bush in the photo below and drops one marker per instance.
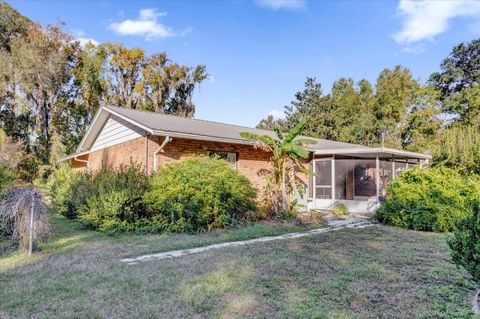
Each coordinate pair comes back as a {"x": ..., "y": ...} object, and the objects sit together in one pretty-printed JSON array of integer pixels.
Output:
[
  {"x": 199, "y": 194},
  {"x": 465, "y": 244},
  {"x": 113, "y": 199},
  {"x": 431, "y": 199},
  {"x": 340, "y": 209}
]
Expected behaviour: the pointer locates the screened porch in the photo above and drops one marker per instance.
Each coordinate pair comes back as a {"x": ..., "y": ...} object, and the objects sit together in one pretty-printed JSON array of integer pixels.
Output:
[{"x": 356, "y": 180}]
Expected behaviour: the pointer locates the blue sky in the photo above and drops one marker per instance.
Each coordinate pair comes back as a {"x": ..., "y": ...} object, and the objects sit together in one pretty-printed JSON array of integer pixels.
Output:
[{"x": 259, "y": 52}]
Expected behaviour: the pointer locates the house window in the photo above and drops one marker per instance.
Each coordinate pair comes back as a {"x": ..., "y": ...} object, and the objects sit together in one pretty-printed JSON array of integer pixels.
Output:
[{"x": 230, "y": 157}]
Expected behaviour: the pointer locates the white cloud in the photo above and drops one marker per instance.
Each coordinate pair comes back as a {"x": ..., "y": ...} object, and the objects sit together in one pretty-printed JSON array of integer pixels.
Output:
[
  {"x": 425, "y": 19},
  {"x": 84, "y": 41},
  {"x": 79, "y": 35},
  {"x": 277, "y": 114},
  {"x": 146, "y": 25},
  {"x": 281, "y": 4}
]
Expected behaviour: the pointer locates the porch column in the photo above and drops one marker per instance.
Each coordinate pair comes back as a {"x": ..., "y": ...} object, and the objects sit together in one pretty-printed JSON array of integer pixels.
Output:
[
  {"x": 377, "y": 176},
  {"x": 393, "y": 168},
  {"x": 333, "y": 180}
]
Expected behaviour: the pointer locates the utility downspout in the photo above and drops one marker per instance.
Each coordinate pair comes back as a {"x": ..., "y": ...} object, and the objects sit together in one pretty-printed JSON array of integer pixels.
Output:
[
  {"x": 81, "y": 161},
  {"x": 167, "y": 140}
]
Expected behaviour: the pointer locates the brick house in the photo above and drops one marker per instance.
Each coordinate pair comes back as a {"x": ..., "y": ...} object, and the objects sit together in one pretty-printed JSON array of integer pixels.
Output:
[{"x": 351, "y": 174}]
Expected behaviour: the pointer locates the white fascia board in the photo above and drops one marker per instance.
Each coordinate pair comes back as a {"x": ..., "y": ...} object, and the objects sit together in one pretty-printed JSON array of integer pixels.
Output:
[
  {"x": 202, "y": 137},
  {"x": 89, "y": 130},
  {"x": 73, "y": 156},
  {"x": 147, "y": 129},
  {"x": 372, "y": 150}
]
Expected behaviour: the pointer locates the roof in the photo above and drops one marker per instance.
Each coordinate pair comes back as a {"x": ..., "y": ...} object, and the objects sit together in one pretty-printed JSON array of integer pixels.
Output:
[{"x": 160, "y": 124}]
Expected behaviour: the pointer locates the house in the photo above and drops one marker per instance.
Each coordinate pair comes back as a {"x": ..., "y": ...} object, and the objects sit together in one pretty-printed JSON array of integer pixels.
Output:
[{"x": 354, "y": 175}]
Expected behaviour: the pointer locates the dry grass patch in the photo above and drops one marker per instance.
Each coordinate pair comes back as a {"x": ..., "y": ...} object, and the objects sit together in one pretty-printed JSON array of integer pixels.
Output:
[{"x": 376, "y": 272}]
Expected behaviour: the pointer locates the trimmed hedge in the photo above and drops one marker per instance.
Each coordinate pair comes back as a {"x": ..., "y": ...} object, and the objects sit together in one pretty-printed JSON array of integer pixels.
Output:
[{"x": 430, "y": 199}]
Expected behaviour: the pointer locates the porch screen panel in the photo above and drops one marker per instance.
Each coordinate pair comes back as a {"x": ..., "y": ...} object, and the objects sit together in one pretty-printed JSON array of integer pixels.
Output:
[
  {"x": 344, "y": 179},
  {"x": 364, "y": 174},
  {"x": 386, "y": 175},
  {"x": 323, "y": 180},
  {"x": 400, "y": 166}
]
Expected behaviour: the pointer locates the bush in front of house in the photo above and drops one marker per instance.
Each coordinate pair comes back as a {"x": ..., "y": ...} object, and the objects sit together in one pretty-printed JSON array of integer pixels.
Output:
[
  {"x": 430, "y": 199},
  {"x": 465, "y": 244},
  {"x": 68, "y": 190},
  {"x": 113, "y": 199},
  {"x": 199, "y": 194}
]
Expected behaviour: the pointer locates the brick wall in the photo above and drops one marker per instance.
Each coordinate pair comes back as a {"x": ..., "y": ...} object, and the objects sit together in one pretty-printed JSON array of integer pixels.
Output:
[{"x": 251, "y": 162}]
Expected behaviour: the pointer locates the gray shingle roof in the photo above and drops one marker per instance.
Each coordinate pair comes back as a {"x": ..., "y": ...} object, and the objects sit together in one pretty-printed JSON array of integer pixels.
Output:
[{"x": 222, "y": 131}]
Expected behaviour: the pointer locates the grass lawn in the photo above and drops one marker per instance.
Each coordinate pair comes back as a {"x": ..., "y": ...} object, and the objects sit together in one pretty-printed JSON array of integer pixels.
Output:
[{"x": 376, "y": 272}]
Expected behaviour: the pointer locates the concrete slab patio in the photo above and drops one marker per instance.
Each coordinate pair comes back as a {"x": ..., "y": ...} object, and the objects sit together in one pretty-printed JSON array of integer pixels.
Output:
[{"x": 333, "y": 225}]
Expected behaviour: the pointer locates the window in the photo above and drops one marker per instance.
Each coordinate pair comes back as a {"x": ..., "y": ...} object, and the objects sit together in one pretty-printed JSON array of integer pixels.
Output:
[
  {"x": 230, "y": 157},
  {"x": 323, "y": 179}
]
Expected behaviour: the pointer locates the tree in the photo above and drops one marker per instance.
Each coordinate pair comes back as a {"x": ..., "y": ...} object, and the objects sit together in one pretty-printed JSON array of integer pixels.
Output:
[
  {"x": 124, "y": 75},
  {"x": 460, "y": 70},
  {"x": 422, "y": 121},
  {"x": 459, "y": 80},
  {"x": 459, "y": 147},
  {"x": 168, "y": 87},
  {"x": 311, "y": 105},
  {"x": 270, "y": 123},
  {"x": 43, "y": 61},
  {"x": 395, "y": 93},
  {"x": 12, "y": 24},
  {"x": 287, "y": 151}
]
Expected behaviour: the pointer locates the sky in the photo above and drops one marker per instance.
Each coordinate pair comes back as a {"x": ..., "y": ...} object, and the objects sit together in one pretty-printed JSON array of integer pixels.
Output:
[{"x": 258, "y": 53}]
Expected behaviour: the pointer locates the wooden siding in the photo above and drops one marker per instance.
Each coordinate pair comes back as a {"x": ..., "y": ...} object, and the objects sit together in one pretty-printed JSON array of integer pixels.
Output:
[{"x": 116, "y": 131}]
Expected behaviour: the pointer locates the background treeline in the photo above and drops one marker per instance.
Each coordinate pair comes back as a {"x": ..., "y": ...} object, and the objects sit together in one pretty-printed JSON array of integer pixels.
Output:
[
  {"x": 51, "y": 87},
  {"x": 441, "y": 116}
]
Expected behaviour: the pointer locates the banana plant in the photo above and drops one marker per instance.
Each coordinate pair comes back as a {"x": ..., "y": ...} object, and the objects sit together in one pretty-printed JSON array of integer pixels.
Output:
[{"x": 287, "y": 151}]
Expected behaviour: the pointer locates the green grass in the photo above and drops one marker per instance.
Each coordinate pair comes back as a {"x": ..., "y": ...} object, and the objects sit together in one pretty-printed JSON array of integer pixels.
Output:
[{"x": 378, "y": 272}]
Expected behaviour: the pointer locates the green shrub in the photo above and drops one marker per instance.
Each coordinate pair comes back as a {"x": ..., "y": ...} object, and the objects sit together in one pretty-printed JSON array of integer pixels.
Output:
[
  {"x": 199, "y": 194},
  {"x": 465, "y": 244},
  {"x": 6, "y": 176},
  {"x": 340, "y": 209},
  {"x": 430, "y": 199},
  {"x": 112, "y": 202},
  {"x": 68, "y": 190}
]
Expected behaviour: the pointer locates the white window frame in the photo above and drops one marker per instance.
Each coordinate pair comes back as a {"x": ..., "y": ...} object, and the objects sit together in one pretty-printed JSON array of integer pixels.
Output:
[{"x": 332, "y": 181}]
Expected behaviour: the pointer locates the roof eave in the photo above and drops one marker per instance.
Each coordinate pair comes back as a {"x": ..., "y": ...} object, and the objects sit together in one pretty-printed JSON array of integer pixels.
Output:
[{"x": 372, "y": 150}]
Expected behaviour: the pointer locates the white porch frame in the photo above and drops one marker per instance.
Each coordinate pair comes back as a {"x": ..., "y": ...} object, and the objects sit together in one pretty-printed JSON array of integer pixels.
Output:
[{"x": 357, "y": 205}]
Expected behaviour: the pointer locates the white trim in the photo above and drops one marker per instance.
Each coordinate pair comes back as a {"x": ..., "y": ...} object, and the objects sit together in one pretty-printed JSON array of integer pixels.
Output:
[
  {"x": 377, "y": 176},
  {"x": 73, "y": 156},
  {"x": 90, "y": 127},
  {"x": 372, "y": 150},
  {"x": 333, "y": 180},
  {"x": 149, "y": 130},
  {"x": 202, "y": 137}
]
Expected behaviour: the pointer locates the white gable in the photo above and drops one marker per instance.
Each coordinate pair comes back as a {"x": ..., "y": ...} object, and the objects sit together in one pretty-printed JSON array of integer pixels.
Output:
[{"x": 115, "y": 131}]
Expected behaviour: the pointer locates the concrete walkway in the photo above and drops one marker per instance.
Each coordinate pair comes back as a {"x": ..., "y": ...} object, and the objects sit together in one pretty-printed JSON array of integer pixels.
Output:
[{"x": 333, "y": 225}]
